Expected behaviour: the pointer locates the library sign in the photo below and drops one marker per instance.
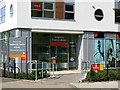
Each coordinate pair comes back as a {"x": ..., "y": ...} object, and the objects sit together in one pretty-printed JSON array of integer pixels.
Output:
[
  {"x": 17, "y": 47},
  {"x": 59, "y": 40}
]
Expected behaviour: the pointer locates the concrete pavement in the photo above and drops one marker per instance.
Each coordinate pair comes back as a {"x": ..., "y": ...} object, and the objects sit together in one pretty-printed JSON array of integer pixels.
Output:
[
  {"x": 63, "y": 81},
  {"x": 44, "y": 84},
  {"x": 107, "y": 84}
]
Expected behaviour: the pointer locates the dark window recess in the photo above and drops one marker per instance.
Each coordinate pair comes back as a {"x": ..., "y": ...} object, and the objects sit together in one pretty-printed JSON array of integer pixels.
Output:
[
  {"x": 49, "y": 10},
  {"x": 36, "y": 9},
  {"x": 48, "y": 6},
  {"x": 99, "y": 35},
  {"x": 48, "y": 14},
  {"x": 99, "y": 14},
  {"x": 69, "y": 8},
  {"x": 32, "y": 5},
  {"x": 69, "y": 15},
  {"x": 117, "y": 15},
  {"x": 36, "y": 13}
]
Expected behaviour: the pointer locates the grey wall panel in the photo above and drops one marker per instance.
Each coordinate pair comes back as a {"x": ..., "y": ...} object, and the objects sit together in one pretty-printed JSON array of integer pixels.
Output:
[
  {"x": 91, "y": 50},
  {"x": 85, "y": 49}
]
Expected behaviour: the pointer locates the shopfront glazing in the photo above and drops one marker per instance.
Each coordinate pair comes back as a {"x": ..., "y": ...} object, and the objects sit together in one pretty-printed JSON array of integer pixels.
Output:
[{"x": 62, "y": 46}]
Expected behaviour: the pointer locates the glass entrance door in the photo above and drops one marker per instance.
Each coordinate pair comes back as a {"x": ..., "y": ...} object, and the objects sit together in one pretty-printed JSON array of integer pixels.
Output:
[{"x": 62, "y": 56}]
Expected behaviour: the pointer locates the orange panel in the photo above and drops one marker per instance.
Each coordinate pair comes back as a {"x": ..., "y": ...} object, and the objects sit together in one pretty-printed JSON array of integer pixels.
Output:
[
  {"x": 117, "y": 36},
  {"x": 14, "y": 55},
  {"x": 23, "y": 56},
  {"x": 95, "y": 34}
]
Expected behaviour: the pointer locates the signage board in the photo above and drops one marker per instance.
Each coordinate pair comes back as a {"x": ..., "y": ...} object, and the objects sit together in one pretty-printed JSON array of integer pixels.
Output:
[
  {"x": 101, "y": 66},
  {"x": 17, "y": 45},
  {"x": 59, "y": 40},
  {"x": 37, "y": 5},
  {"x": 97, "y": 67},
  {"x": 22, "y": 56},
  {"x": 59, "y": 44}
]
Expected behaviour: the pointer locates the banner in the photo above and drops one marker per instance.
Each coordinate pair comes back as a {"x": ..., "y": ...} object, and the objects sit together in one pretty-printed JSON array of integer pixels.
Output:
[
  {"x": 99, "y": 51},
  {"x": 37, "y": 5}
]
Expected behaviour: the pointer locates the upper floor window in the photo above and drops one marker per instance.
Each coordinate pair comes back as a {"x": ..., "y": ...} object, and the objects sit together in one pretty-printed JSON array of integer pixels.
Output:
[
  {"x": 43, "y": 9},
  {"x": 117, "y": 11},
  {"x": 49, "y": 10},
  {"x": 117, "y": 15},
  {"x": 54, "y": 10},
  {"x": 2, "y": 15},
  {"x": 69, "y": 11}
]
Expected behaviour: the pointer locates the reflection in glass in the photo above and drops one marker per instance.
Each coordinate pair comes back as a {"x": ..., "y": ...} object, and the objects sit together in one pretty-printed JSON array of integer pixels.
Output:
[
  {"x": 118, "y": 52},
  {"x": 110, "y": 49}
]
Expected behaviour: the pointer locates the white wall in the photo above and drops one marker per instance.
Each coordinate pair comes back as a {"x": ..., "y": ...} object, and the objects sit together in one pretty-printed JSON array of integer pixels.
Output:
[
  {"x": 10, "y": 23},
  {"x": 84, "y": 17},
  {"x": 40, "y": 23}
]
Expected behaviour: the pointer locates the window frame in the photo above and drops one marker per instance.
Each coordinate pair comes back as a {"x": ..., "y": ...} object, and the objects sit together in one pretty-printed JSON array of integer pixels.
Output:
[
  {"x": 53, "y": 10},
  {"x": 48, "y": 10},
  {"x": 43, "y": 10},
  {"x": 117, "y": 16},
  {"x": 69, "y": 12},
  {"x": 36, "y": 10},
  {"x": 2, "y": 14}
]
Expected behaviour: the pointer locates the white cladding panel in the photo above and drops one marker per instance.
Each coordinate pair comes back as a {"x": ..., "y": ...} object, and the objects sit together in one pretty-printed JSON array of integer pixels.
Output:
[
  {"x": 84, "y": 17},
  {"x": 10, "y": 22}
]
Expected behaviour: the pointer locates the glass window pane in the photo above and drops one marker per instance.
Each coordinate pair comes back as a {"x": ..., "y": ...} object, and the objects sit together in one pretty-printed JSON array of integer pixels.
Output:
[
  {"x": 69, "y": 15},
  {"x": 44, "y": 57},
  {"x": 69, "y": 8},
  {"x": 48, "y": 6},
  {"x": 0, "y": 13},
  {"x": 32, "y": 5},
  {"x": 49, "y": 14},
  {"x": 3, "y": 19},
  {"x": 117, "y": 15},
  {"x": 110, "y": 49},
  {"x": 36, "y": 13},
  {"x": 0, "y": 20},
  {"x": 62, "y": 50},
  {"x": 12, "y": 33},
  {"x": 44, "y": 49},
  {"x": 3, "y": 11},
  {"x": 36, "y": 5},
  {"x": 62, "y": 58}
]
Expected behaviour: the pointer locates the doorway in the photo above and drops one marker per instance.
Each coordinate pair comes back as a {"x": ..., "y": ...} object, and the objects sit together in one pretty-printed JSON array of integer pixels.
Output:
[{"x": 62, "y": 46}]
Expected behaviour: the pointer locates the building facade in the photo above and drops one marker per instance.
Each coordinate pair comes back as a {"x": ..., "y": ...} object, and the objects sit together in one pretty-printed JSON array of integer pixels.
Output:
[{"x": 75, "y": 32}]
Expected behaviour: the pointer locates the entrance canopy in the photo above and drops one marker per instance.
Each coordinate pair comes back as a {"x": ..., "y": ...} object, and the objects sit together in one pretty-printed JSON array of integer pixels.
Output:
[{"x": 59, "y": 31}]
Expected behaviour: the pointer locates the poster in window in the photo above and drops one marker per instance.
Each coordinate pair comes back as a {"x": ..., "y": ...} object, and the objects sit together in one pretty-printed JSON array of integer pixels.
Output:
[
  {"x": 110, "y": 49},
  {"x": 99, "y": 51},
  {"x": 37, "y": 6},
  {"x": 99, "y": 48},
  {"x": 118, "y": 47}
]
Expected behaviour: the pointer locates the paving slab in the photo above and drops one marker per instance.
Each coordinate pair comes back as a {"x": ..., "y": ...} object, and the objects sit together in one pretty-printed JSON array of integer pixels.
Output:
[{"x": 107, "y": 84}]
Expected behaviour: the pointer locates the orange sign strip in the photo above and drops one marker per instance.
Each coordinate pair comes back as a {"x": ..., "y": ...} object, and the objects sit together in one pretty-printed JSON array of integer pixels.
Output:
[{"x": 17, "y": 55}]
